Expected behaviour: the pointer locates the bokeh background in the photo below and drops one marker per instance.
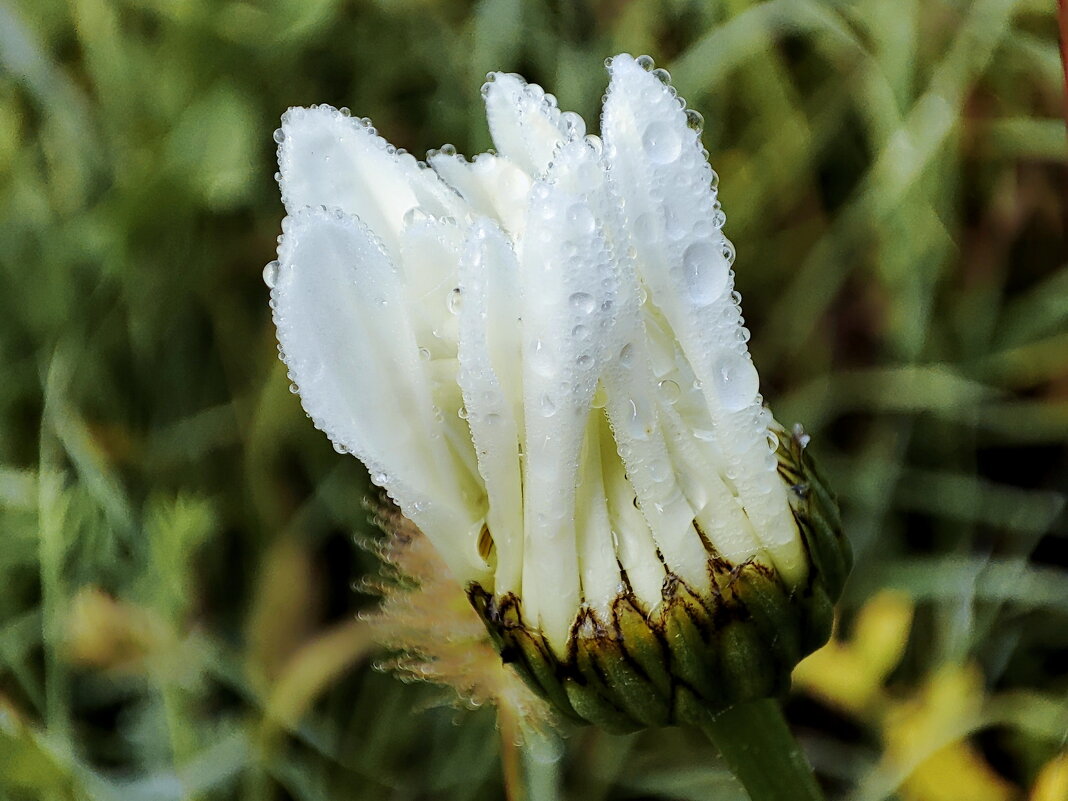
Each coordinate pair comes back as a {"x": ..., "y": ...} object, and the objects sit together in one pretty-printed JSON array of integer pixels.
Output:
[{"x": 179, "y": 580}]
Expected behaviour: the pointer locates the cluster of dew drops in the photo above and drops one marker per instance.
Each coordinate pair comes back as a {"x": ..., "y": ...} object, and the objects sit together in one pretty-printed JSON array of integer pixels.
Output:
[{"x": 662, "y": 145}]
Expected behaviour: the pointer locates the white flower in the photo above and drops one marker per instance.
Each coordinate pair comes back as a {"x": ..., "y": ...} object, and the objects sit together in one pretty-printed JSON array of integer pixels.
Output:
[{"x": 539, "y": 353}]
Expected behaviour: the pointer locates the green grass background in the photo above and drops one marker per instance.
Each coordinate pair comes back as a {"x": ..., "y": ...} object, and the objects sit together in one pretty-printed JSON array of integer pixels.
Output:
[{"x": 894, "y": 176}]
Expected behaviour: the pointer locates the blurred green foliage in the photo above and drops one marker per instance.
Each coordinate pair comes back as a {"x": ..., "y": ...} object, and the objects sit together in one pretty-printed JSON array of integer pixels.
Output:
[{"x": 176, "y": 557}]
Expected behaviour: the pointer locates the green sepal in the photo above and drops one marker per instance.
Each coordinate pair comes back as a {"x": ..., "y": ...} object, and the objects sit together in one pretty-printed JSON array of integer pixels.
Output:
[{"x": 695, "y": 654}]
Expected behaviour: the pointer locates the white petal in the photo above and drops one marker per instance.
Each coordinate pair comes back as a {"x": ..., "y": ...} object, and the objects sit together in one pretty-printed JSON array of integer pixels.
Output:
[
  {"x": 328, "y": 159},
  {"x": 525, "y": 123},
  {"x": 601, "y": 578},
  {"x": 493, "y": 186},
  {"x": 662, "y": 177},
  {"x": 568, "y": 292},
  {"x": 633, "y": 406},
  {"x": 492, "y": 387},
  {"x": 346, "y": 338}
]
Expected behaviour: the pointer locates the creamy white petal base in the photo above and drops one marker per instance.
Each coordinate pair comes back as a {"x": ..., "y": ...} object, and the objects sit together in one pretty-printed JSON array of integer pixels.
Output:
[{"x": 539, "y": 353}]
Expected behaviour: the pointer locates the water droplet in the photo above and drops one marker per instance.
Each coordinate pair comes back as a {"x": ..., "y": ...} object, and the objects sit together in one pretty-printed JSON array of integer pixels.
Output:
[
  {"x": 294, "y": 388},
  {"x": 694, "y": 120},
  {"x": 585, "y": 360},
  {"x": 340, "y": 448},
  {"x": 462, "y": 413},
  {"x": 599, "y": 397},
  {"x": 492, "y": 419},
  {"x": 582, "y": 302},
  {"x": 773, "y": 441},
  {"x": 541, "y": 360},
  {"x": 662, "y": 75},
  {"x": 548, "y": 407},
  {"x": 424, "y": 354},
  {"x": 661, "y": 142},
  {"x": 705, "y": 272},
  {"x": 580, "y": 332},
  {"x": 645, "y": 227},
  {"x": 270, "y": 273},
  {"x": 415, "y": 216},
  {"x": 447, "y": 150},
  {"x": 659, "y": 470},
  {"x": 728, "y": 251},
  {"x": 645, "y": 62},
  {"x": 573, "y": 124},
  {"x": 736, "y": 381},
  {"x": 581, "y": 217},
  {"x": 669, "y": 390},
  {"x": 380, "y": 478},
  {"x": 454, "y": 301},
  {"x": 279, "y": 136},
  {"x": 637, "y": 425},
  {"x": 626, "y": 355}
]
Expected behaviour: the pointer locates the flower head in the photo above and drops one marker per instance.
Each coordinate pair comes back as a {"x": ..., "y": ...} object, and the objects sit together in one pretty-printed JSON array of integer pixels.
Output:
[{"x": 541, "y": 357}]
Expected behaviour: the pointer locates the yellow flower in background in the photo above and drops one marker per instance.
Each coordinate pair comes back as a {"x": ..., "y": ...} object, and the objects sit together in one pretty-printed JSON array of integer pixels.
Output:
[
  {"x": 1052, "y": 781},
  {"x": 928, "y": 737},
  {"x": 849, "y": 674}
]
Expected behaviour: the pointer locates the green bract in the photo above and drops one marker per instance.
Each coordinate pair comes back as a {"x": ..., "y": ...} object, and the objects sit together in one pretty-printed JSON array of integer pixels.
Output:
[{"x": 693, "y": 655}]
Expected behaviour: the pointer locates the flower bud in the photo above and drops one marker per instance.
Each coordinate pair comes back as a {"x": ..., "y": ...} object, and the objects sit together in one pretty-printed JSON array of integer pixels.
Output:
[{"x": 540, "y": 355}]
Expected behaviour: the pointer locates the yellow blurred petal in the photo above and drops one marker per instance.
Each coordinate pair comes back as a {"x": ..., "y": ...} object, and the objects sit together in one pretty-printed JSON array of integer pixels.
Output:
[
  {"x": 926, "y": 737},
  {"x": 1052, "y": 781},
  {"x": 849, "y": 674},
  {"x": 839, "y": 677},
  {"x": 956, "y": 772},
  {"x": 882, "y": 631}
]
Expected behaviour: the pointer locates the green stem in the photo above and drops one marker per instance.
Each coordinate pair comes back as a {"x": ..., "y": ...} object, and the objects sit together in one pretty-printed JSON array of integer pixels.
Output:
[{"x": 761, "y": 752}]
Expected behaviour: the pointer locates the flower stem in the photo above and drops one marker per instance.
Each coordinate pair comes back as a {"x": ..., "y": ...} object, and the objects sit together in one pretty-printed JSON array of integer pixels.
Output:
[
  {"x": 511, "y": 765},
  {"x": 762, "y": 753}
]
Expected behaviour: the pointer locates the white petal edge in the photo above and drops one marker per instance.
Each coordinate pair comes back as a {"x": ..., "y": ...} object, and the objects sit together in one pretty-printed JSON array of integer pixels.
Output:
[
  {"x": 346, "y": 338},
  {"x": 661, "y": 175},
  {"x": 525, "y": 123},
  {"x": 568, "y": 287},
  {"x": 489, "y": 351},
  {"x": 328, "y": 159}
]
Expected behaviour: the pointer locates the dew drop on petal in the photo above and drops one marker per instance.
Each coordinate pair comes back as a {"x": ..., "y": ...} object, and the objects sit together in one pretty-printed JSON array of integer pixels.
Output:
[
  {"x": 659, "y": 470},
  {"x": 582, "y": 302},
  {"x": 736, "y": 381},
  {"x": 669, "y": 390},
  {"x": 541, "y": 360},
  {"x": 705, "y": 272},
  {"x": 582, "y": 218},
  {"x": 454, "y": 301},
  {"x": 645, "y": 227},
  {"x": 270, "y": 273},
  {"x": 626, "y": 355},
  {"x": 661, "y": 142},
  {"x": 773, "y": 441}
]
